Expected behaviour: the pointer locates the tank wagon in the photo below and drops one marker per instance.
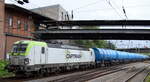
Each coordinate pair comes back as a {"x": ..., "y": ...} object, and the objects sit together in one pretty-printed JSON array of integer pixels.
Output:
[
  {"x": 40, "y": 57},
  {"x": 108, "y": 57}
]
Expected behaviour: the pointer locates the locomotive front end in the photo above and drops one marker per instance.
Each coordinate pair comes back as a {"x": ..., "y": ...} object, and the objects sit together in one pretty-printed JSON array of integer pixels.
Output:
[{"x": 17, "y": 57}]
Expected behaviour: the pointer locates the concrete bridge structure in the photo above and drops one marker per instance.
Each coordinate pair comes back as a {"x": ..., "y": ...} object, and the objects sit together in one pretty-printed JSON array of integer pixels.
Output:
[{"x": 87, "y": 34}]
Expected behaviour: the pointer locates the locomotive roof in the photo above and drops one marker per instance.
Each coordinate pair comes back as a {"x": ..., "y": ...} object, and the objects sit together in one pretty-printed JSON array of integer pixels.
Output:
[
  {"x": 51, "y": 45},
  {"x": 31, "y": 42},
  {"x": 66, "y": 46}
]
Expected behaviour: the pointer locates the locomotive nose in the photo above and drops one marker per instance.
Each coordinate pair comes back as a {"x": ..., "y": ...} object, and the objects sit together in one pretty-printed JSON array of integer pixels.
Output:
[{"x": 18, "y": 60}]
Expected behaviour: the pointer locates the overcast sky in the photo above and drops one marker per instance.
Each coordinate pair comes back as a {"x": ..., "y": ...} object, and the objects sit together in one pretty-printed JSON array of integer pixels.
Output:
[
  {"x": 98, "y": 9},
  {"x": 101, "y": 10}
]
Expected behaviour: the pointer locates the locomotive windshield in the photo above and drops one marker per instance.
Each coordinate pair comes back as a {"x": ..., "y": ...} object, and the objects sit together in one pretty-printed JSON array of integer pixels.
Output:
[{"x": 19, "y": 48}]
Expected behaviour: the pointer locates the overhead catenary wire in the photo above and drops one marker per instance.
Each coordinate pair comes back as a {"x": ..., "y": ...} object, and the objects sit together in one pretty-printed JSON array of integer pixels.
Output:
[
  {"x": 124, "y": 10},
  {"x": 89, "y": 4},
  {"x": 117, "y": 7},
  {"x": 96, "y": 3},
  {"x": 105, "y": 9},
  {"x": 113, "y": 8}
]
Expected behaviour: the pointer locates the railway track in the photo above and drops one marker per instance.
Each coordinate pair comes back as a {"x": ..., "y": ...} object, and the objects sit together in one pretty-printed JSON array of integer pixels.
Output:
[
  {"x": 21, "y": 79},
  {"x": 73, "y": 76},
  {"x": 89, "y": 75},
  {"x": 139, "y": 76}
]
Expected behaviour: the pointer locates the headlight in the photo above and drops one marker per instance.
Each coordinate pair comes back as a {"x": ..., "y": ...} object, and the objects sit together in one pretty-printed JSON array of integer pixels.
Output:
[{"x": 26, "y": 61}]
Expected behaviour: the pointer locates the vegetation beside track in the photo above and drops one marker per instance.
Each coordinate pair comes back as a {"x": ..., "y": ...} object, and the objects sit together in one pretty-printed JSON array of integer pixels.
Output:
[
  {"x": 147, "y": 78},
  {"x": 148, "y": 54},
  {"x": 3, "y": 72}
]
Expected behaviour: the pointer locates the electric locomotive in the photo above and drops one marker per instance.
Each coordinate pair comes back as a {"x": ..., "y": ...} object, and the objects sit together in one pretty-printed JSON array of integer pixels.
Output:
[{"x": 34, "y": 56}]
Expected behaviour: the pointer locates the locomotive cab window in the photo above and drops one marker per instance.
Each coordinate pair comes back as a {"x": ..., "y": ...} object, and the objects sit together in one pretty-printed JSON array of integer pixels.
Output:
[
  {"x": 19, "y": 48},
  {"x": 43, "y": 50}
]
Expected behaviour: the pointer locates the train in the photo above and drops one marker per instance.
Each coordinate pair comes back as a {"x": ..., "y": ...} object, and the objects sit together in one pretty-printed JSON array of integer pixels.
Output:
[{"x": 40, "y": 57}]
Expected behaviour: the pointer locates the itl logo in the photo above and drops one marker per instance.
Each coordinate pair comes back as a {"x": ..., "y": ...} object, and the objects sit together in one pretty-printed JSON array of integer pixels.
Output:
[{"x": 69, "y": 55}]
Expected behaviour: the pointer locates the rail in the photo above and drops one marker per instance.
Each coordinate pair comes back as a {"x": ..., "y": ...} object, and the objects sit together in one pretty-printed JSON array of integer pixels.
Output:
[
  {"x": 135, "y": 74},
  {"x": 144, "y": 80},
  {"x": 89, "y": 75}
]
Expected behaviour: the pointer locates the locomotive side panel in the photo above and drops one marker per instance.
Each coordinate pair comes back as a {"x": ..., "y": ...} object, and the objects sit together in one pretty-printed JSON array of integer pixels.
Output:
[
  {"x": 58, "y": 55},
  {"x": 55, "y": 56}
]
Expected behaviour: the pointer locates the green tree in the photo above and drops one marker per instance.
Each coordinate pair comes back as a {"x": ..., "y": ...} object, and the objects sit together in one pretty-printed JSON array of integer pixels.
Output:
[
  {"x": 90, "y": 27},
  {"x": 94, "y": 43}
]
